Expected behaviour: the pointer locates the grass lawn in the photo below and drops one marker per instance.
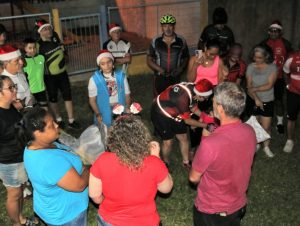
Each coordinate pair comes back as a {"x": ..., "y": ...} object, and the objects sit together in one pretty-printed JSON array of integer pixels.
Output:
[{"x": 274, "y": 191}]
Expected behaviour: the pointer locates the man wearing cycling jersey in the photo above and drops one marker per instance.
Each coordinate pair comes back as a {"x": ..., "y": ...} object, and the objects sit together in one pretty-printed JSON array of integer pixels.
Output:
[{"x": 168, "y": 56}]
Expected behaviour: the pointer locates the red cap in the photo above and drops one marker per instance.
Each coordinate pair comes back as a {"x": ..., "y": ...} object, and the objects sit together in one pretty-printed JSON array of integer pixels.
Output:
[
  {"x": 113, "y": 27},
  {"x": 8, "y": 52},
  {"x": 203, "y": 88},
  {"x": 104, "y": 53}
]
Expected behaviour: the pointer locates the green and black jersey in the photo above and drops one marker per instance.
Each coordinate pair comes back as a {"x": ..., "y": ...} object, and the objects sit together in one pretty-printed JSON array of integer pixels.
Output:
[{"x": 53, "y": 52}]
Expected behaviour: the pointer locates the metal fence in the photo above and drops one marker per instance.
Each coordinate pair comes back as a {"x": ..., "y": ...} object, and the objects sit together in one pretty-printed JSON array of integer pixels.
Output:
[
  {"x": 21, "y": 27},
  {"x": 141, "y": 23},
  {"x": 81, "y": 37}
]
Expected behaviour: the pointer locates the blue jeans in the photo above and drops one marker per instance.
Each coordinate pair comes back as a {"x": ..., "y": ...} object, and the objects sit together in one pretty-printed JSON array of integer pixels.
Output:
[
  {"x": 101, "y": 221},
  {"x": 13, "y": 175},
  {"x": 80, "y": 220}
]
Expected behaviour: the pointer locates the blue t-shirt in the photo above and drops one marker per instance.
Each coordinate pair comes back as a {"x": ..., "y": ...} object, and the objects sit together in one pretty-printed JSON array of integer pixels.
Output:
[{"x": 45, "y": 168}]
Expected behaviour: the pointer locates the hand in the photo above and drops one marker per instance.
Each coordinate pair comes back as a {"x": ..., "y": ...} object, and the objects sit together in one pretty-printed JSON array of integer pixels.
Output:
[
  {"x": 154, "y": 148},
  {"x": 210, "y": 127},
  {"x": 99, "y": 118},
  {"x": 18, "y": 105},
  {"x": 259, "y": 104}
]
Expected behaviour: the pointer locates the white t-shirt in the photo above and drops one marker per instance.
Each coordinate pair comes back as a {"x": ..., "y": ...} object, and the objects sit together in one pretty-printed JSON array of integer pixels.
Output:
[{"x": 112, "y": 88}]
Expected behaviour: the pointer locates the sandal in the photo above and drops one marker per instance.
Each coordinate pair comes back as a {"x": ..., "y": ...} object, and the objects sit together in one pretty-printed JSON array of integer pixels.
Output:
[{"x": 31, "y": 222}]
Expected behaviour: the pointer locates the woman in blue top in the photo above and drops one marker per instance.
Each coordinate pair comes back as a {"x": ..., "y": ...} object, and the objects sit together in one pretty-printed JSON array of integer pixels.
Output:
[
  {"x": 107, "y": 87},
  {"x": 58, "y": 177}
]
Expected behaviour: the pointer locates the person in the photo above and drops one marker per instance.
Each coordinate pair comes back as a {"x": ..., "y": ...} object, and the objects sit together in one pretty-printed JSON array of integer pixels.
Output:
[
  {"x": 60, "y": 194},
  {"x": 292, "y": 69},
  {"x": 168, "y": 56},
  {"x": 125, "y": 179},
  {"x": 34, "y": 70},
  {"x": 2, "y": 35},
  {"x": 12, "y": 172},
  {"x": 207, "y": 65},
  {"x": 13, "y": 64},
  {"x": 218, "y": 30},
  {"x": 119, "y": 47},
  {"x": 107, "y": 87},
  {"x": 261, "y": 76},
  {"x": 222, "y": 164},
  {"x": 280, "y": 48},
  {"x": 171, "y": 112},
  {"x": 56, "y": 76},
  {"x": 236, "y": 66}
]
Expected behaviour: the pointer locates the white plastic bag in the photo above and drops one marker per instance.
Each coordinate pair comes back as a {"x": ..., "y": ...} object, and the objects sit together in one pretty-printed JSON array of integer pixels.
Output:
[
  {"x": 261, "y": 134},
  {"x": 68, "y": 140},
  {"x": 92, "y": 142}
]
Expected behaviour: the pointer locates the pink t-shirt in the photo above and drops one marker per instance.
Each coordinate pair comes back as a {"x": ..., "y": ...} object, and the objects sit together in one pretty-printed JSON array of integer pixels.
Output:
[
  {"x": 224, "y": 159},
  {"x": 129, "y": 195},
  {"x": 210, "y": 73}
]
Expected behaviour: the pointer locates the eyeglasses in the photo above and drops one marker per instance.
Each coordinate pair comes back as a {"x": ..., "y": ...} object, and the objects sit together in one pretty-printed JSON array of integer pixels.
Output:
[{"x": 11, "y": 88}]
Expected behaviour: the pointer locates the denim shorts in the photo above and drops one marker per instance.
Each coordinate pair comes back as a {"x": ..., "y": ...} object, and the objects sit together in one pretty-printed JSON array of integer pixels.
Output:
[
  {"x": 80, "y": 220},
  {"x": 13, "y": 175},
  {"x": 101, "y": 221}
]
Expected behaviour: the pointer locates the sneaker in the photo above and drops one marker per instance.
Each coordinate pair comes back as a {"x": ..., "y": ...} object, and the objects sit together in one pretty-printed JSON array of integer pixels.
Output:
[
  {"x": 74, "y": 125},
  {"x": 268, "y": 152},
  {"x": 280, "y": 128},
  {"x": 288, "y": 147},
  {"x": 26, "y": 193}
]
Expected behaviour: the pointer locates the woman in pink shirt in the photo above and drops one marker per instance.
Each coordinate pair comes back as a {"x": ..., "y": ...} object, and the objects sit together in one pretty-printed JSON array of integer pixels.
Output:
[{"x": 207, "y": 65}]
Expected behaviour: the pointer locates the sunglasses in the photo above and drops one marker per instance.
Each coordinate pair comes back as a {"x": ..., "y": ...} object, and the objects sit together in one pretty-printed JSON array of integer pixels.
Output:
[{"x": 12, "y": 88}]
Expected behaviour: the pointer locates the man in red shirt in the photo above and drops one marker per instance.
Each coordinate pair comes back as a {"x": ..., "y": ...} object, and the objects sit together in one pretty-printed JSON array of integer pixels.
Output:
[
  {"x": 222, "y": 164},
  {"x": 281, "y": 48},
  {"x": 292, "y": 68}
]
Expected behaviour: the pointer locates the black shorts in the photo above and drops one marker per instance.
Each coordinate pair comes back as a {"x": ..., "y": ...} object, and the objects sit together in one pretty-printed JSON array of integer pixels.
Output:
[
  {"x": 166, "y": 127},
  {"x": 293, "y": 105},
  {"x": 59, "y": 82},
  {"x": 41, "y": 98},
  {"x": 268, "y": 109},
  {"x": 279, "y": 88}
]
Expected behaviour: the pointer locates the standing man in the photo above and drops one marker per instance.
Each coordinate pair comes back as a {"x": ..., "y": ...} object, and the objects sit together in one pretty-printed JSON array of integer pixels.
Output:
[
  {"x": 281, "y": 49},
  {"x": 119, "y": 48},
  {"x": 218, "y": 30},
  {"x": 292, "y": 69},
  {"x": 222, "y": 164},
  {"x": 56, "y": 76},
  {"x": 168, "y": 56}
]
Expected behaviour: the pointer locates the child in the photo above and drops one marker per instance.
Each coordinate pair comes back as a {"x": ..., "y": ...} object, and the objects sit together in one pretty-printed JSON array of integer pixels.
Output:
[
  {"x": 107, "y": 88},
  {"x": 35, "y": 72},
  {"x": 119, "y": 47}
]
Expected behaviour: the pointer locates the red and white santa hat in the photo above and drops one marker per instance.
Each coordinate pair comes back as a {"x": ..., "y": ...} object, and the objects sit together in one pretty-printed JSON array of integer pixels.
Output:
[
  {"x": 41, "y": 24},
  {"x": 104, "y": 53},
  {"x": 276, "y": 24},
  {"x": 8, "y": 52},
  {"x": 113, "y": 27},
  {"x": 203, "y": 88}
]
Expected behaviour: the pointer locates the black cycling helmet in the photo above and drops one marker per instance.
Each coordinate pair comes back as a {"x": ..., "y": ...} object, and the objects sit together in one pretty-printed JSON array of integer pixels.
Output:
[
  {"x": 2, "y": 29},
  {"x": 167, "y": 19}
]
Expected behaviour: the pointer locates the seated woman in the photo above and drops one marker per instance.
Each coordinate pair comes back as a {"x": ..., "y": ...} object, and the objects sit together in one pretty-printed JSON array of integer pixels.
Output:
[
  {"x": 59, "y": 180},
  {"x": 107, "y": 87},
  {"x": 261, "y": 75},
  {"x": 12, "y": 172},
  {"x": 207, "y": 65},
  {"x": 125, "y": 179}
]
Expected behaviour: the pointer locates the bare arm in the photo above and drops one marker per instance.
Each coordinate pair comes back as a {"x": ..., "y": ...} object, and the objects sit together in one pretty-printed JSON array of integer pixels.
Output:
[
  {"x": 192, "y": 69},
  {"x": 123, "y": 60},
  {"x": 195, "y": 123},
  {"x": 93, "y": 104},
  {"x": 270, "y": 83},
  {"x": 72, "y": 181},
  {"x": 194, "y": 176},
  {"x": 222, "y": 72},
  {"x": 95, "y": 189}
]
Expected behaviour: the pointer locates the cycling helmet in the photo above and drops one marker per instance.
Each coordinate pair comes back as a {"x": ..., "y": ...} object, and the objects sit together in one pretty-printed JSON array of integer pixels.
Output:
[{"x": 167, "y": 19}]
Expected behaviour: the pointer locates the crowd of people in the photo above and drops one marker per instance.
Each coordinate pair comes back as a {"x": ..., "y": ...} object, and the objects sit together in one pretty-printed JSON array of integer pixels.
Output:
[{"x": 205, "y": 111}]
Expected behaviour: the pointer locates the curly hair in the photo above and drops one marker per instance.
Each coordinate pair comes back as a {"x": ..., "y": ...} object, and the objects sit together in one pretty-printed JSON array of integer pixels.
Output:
[{"x": 129, "y": 138}]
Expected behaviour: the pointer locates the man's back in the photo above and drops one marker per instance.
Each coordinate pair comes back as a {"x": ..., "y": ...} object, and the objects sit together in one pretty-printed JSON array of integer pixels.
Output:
[{"x": 225, "y": 159}]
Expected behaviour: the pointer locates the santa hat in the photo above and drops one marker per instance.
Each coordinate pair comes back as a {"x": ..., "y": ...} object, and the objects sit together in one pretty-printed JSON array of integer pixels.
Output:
[
  {"x": 276, "y": 25},
  {"x": 104, "y": 53},
  {"x": 203, "y": 88},
  {"x": 8, "y": 52},
  {"x": 41, "y": 24},
  {"x": 113, "y": 27}
]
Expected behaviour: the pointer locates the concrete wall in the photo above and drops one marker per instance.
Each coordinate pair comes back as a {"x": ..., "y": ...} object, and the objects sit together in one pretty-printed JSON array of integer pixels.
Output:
[{"x": 249, "y": 20}]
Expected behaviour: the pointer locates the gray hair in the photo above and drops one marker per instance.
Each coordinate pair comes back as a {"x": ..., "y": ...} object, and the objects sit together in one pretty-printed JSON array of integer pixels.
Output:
[{"x": 231, "y": 97}]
